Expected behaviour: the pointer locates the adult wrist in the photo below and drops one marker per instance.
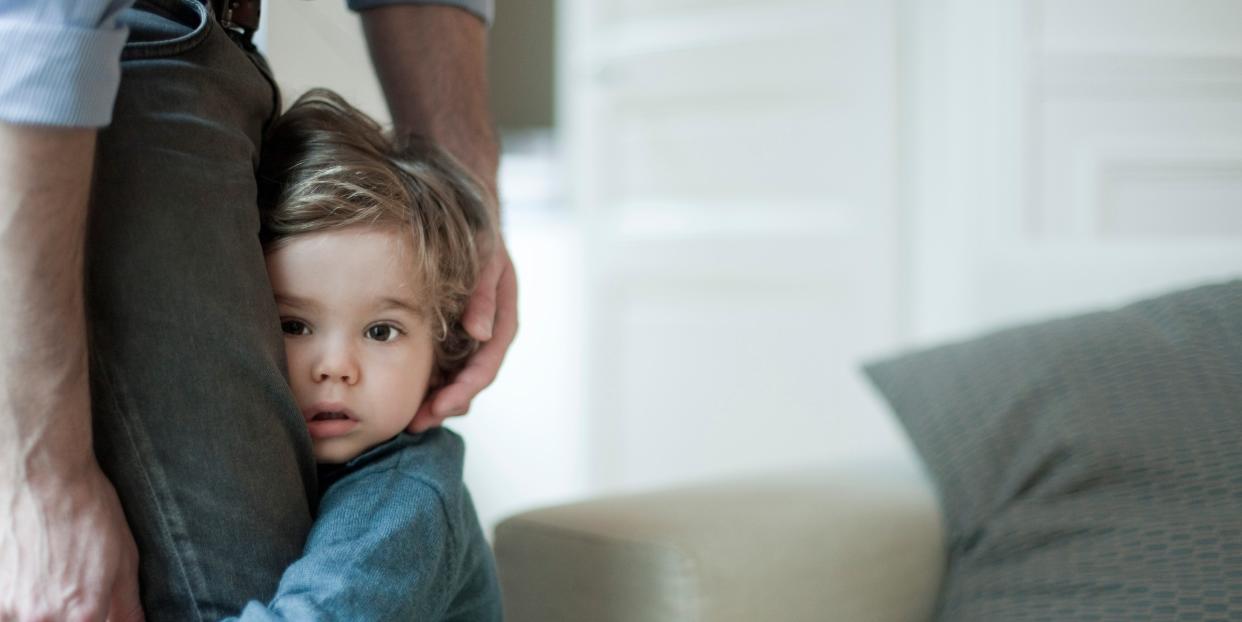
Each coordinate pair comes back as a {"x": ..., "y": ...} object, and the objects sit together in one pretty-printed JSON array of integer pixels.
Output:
[{"x": 53, "y": 445}]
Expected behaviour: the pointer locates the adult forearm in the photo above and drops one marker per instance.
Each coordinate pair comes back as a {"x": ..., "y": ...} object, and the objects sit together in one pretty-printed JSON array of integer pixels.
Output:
[
  {"x": 432, "y": 64},
  {"x": 44, "y": 392}
]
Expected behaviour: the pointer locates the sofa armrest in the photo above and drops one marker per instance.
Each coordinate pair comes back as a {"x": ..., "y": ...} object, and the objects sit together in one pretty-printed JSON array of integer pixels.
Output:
[{"x": 854, "y": 543}]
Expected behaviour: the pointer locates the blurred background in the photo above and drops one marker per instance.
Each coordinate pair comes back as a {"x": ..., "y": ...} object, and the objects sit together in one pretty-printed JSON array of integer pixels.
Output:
[{"x": 719, "y": 208}]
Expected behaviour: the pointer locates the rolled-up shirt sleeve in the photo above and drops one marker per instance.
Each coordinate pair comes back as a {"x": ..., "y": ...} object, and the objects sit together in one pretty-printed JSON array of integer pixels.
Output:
[
  {"x": 60, "y": 61},
  {"x": 484, "y": 9}
]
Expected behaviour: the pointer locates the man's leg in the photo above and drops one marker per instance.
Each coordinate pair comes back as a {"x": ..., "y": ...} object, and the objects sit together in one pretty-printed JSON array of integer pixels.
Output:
[{"x": 193, "y": 420}]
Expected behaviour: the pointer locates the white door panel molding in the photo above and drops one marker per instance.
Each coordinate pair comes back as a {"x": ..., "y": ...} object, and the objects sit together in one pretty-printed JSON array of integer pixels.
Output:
[
  {"x": 1092, "y": 155},
  {"x": 1195, "y": 28}
]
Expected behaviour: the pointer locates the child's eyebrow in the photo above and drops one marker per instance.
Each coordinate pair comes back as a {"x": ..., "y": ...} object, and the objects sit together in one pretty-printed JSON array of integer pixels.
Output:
[
  {"x": 399, "y": 303},
  {"x": 294, "y": 301}
]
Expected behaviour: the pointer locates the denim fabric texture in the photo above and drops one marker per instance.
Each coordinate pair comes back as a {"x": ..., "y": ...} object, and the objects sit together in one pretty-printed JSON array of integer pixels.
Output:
[
  {"x": 396, "y": 538},
  {"x": 193, "y": 419}
]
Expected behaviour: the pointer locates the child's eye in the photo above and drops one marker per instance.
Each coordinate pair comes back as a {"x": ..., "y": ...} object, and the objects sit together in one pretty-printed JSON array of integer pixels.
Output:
[
  {"x": 383, "y": 332},
  {"x": 294, "y": 327}
]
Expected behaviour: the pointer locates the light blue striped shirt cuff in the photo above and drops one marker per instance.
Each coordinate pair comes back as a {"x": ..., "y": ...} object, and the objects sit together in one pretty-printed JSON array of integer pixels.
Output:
[
  {"x": 484, "y": 9},
  {"x": 59, "y": 74}
]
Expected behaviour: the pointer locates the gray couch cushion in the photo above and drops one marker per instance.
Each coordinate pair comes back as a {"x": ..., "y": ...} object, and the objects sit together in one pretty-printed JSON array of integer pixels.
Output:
[{"x": 1090, "y": 468}]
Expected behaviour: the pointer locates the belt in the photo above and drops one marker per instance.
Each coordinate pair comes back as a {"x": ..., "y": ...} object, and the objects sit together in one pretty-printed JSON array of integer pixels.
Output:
[{"x": 238, "y": 15}]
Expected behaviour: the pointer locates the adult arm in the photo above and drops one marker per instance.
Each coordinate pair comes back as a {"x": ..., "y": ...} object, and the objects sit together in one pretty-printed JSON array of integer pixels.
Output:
[
  {"x": 66, "y": 552},
  {"x": 65, "y": 549},
  {"x": 432, "y": 63}
]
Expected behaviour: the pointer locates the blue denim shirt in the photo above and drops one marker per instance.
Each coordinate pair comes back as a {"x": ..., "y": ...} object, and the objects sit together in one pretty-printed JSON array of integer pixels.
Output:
[
  {"x": 396, "y": 538},
  {"x": 60, "y": 60}
]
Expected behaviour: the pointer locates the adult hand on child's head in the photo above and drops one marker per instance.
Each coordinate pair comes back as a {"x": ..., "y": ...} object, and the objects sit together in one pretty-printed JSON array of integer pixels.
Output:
[{"x": 490, "y": 317}]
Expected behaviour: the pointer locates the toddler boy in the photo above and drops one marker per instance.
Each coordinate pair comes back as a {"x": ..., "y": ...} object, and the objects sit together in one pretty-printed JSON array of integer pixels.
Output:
[{"x": 372, "y": 254}]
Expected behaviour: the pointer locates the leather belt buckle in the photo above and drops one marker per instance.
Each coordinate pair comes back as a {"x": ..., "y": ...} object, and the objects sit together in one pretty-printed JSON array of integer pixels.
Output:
[{"x": 238, "y": 15}]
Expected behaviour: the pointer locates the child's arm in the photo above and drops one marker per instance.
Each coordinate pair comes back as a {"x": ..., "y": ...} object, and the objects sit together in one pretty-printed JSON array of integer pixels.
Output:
[
  {"x": 379, "y": 550},
  {"x": 396, "y": 540}
]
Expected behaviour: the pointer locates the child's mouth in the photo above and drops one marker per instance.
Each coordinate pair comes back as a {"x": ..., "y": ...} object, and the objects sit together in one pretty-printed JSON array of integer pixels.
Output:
[
  {"x": 327, "y": 416},
  {"x": 329, "y": 420}
]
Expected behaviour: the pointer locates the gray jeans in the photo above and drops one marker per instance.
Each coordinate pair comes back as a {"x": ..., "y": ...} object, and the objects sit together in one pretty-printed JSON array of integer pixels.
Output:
[{"x": 194, "y": 422}]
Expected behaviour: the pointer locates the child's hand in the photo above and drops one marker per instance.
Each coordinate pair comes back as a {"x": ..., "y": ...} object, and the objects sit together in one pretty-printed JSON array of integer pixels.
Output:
[{"x": 490, "y": 317}]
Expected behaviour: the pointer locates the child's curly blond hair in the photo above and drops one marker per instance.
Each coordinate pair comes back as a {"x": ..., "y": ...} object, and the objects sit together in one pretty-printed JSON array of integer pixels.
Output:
[{"x": 327, "y": 165}]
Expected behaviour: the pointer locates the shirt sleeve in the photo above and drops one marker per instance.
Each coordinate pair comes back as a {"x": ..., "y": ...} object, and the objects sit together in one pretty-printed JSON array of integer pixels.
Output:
[
  {"x": 60, "y": 61},
  {"x": 484, "y": 9},
  {"x": 380, "y": 549}
]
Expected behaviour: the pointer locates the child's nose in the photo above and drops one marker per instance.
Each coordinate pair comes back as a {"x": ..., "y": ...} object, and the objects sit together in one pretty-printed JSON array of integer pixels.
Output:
[
  {"x": 337, "y": 364},
  {"x": 344, "y": 377}
]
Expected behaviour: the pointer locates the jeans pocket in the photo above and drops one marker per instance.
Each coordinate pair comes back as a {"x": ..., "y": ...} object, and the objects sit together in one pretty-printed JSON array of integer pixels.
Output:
[{"x": 160, "y": 28}]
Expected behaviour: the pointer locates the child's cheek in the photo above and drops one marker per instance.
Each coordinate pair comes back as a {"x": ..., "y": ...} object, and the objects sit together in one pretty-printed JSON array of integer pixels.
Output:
[{"x": 296, "y": 356}]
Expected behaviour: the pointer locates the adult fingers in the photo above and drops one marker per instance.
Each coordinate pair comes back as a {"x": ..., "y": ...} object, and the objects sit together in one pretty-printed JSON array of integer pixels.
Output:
[
  {"x": 482, "y": 367},
  {"x": 480, "y": 313},
  {"x": 454, "y": 399},
  {"x": 424, "y": 419}
]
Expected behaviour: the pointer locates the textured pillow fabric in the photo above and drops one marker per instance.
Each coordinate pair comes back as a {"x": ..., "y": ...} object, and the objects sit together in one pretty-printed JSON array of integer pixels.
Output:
[{"x": 1090, "y": 468}]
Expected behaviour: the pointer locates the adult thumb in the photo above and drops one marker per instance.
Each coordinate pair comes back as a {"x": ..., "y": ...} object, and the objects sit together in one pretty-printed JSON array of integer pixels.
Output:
[{"x": 126, "y": 604}]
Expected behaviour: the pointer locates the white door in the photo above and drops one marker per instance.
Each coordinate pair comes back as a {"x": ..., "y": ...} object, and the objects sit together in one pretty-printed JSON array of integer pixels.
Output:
[
  {"x": 1069, "y": 154},
  {"x": 773, "y": 191},
  {"x": 735, "y": 164}
]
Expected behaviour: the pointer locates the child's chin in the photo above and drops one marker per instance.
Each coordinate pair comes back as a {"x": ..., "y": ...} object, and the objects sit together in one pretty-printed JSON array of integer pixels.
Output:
[{"x": 329, "y": 452}]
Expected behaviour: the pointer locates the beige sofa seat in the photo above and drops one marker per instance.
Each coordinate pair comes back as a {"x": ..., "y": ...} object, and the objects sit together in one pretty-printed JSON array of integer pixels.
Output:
[{"x": 856, "y": 542}]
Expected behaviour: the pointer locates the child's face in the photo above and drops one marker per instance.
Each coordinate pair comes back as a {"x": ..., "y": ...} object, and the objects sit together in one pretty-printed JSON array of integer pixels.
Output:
[{"x": 355, "y": 343}]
